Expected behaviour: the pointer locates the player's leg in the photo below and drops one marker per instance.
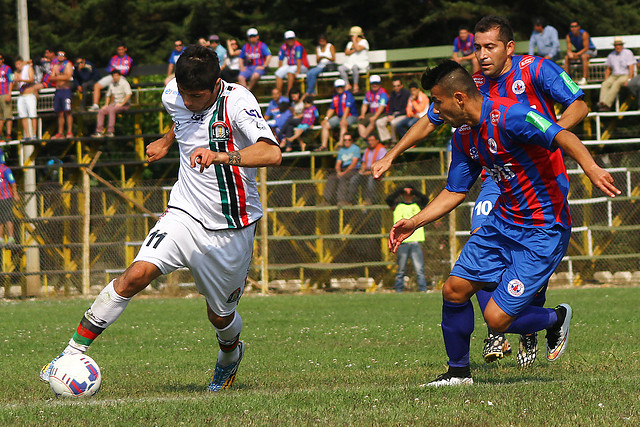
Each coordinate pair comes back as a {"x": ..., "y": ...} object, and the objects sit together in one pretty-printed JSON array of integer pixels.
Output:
[
  {"x": 496, "y": 345},
  {"x": 457, "y": 326},
  {"x": 220, "y": 274}
]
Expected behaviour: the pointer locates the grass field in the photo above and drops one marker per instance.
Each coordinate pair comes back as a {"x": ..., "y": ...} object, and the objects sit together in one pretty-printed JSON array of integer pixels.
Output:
[{"x": 329, "y": 359}]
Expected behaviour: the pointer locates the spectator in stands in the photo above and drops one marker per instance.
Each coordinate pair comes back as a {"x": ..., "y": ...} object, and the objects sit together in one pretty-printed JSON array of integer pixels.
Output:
[
  {"x": 309, "y": 117},
  {"x": 634, "y": 86},
  {"x": 398, "y": 100},
  {"x": 374, "y": 152},
  {"x": 297, "y": 108},
  {"x": 121, "y": 62},
  {"x": 326, "y": 58},
  {"x": 27, "y": 102},
  {"x": 406, "y": 201},
  {"x": 254, "y": 60},
  {"x": 204, "y": 42},
  {"x": 231, "y": 67},
  {"x": 341, "y": 112},
  {"x": 579, "y": 47},
  {"x": 175, "y": 54},
  {"x": 374, "y": 107},
  {"x": 6, "y": 86},
  {"x": 464, "y": 50},
  {"x": 280, "y": 118},
  {"x": 292, "y": 60},
  {"x": 62, "y": 76},
  {"x": 336, "y": 190},
  {"x": 544, "y": 40},
  {"x": 48, "y": 60},
  {"x": 273, "y": 107},
  {"x": 417, "y": 106},
  {"x": 117, "y": 100},
  {"x": 8, "y": 193},
  {"x": 620, "y": 67},
  {"x": 357, "y": 52},
  {"x": 85, "y": 76},
  {"x": 214, "y": 43}
]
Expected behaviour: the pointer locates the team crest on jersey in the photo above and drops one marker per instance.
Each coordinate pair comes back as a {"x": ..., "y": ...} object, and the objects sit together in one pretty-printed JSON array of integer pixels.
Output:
[
  {"x": 473, "y": 152},
  {"x": 235, "y": 296},
  {"x": 220, "y": 131},
  {"x": 464, "y": 129},
  {"x": 526, "y": 61},
  {"x": 518, "y": 87},
  {"x": 493, "y": 147},
  {"x": 495, "y": 116},
  {"x": 479, "y": 80},
  {"x": 515, "y": 288}
]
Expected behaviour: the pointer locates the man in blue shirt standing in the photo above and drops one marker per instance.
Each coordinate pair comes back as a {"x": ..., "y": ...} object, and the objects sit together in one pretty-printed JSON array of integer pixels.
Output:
[
  {"x": 544, "y": 39},
  {"x": 337, "y": 188}
]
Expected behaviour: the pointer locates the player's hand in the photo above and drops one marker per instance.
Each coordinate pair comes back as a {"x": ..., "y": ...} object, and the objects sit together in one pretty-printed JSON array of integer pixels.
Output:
[
  {"x": 400, "y": 231},
  {"x": 205, "y": 158},
  {"x": 379, "y": 167},
  {"x": 603, "y": 180},
  {"x": 157, "y": 149}
]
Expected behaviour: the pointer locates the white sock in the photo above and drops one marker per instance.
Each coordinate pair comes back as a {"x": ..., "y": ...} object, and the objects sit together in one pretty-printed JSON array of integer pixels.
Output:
[
  {"x": 107, "y": 307},
  {"x": 229, "y": 337}
]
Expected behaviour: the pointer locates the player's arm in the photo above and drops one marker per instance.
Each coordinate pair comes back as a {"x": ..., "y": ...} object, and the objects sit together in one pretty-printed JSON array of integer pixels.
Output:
[
  {"x": 14, "y": 191},
  {"x": 418, "y": 131},
  {"x": 573, "y": 147},
  {"x": 574, "y": 114},
  {"x": 444, "y": 203},
  {"x": 264, "y": 152},
  {"x": 160, "y": 147}
]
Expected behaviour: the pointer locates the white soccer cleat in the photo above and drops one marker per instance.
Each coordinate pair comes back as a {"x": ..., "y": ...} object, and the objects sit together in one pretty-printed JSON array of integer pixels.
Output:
[{"x": 558, "y": 334}]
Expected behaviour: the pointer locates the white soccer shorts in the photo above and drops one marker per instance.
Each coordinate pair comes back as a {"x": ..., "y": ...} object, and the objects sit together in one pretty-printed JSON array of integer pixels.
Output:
[
  {"x": 218, "y": 260},
  {"x": 27, "y": 106}
]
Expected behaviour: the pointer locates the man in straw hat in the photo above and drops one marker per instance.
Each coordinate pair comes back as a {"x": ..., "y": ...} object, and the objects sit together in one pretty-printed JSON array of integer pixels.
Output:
[{"x": 619, "y": 71}]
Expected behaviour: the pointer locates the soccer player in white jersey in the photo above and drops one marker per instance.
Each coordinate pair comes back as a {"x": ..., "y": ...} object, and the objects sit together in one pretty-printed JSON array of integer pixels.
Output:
[{"x": 210, "y": 220}]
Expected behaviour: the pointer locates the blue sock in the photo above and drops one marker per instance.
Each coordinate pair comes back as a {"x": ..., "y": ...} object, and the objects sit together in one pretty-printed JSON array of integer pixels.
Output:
[
  {"x": 533, "y": 319},
  {"x": 457, "y": 326}
]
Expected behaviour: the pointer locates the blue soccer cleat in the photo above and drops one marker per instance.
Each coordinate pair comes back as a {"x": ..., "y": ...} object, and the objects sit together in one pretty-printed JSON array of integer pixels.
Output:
[{"x": 224, "y": 376}]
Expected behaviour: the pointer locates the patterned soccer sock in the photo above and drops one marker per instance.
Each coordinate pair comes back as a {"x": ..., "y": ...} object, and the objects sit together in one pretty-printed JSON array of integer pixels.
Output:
[
  {"x": 228, "y": 338},
  {"x": 533, "y": 319},
  {"x": 457, "y": 326},
  {"x": 105, "y": 310}
]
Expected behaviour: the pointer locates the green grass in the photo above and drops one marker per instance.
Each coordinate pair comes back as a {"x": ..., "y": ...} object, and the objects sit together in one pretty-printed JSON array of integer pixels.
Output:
[{"x": 330, "y": 359}]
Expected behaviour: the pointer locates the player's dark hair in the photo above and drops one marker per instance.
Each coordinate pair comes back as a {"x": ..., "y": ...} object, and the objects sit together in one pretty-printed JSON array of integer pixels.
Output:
[
  {"x": 539, "y": 21},
  {"x": 463, "y": 27},
  {"x": 451, "y": 76},
  {"x": 197, "y": 68},
  {"x": 576, "y": 21},
  {"x": 413, "y": 85},
  {"x": 121, "y": 44},
  {"x": 505, "y": 32},
  {"x": 115, "y": 71}
]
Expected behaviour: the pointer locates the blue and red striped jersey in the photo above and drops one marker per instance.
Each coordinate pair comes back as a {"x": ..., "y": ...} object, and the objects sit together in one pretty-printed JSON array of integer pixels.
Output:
[
  {"x": 255, "y": 54},
  {"x": 514, "y": 145},
  {"x": 120, "y": 63},
  {"x": 6, "y": 179},
  {"x": 533, "y": 81},
  {"x": 464, "y": 47},
  {"x": 309, "y": 115},
  {"x": 293, "y": 53},
  {"x": 340, "y": 102},
  {"x": 6, "y": 77},
  {"x": 377, "y": 99}
]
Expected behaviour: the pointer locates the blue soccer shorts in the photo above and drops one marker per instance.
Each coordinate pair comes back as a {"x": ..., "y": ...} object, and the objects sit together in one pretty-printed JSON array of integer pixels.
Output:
[{"x": 519, "y": 260}]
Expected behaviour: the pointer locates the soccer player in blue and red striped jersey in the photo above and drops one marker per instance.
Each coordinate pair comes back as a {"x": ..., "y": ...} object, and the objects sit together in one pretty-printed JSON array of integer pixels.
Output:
[
  {"x": 533, "y": 81},
  {"x": 121, "y": 62},
  {"x": 525, "y": 237},
  {"x": 254, "y": 60}
]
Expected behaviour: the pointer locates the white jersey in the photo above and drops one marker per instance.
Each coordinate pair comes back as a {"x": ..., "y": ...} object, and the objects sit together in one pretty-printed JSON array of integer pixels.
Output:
[{"x": 222, "y": 196}]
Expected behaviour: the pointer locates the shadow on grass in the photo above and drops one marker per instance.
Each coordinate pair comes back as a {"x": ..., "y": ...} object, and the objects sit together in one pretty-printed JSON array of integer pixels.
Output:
[
  {"x": 190, "y": 388},
  {"x": 517, "y": 379}
]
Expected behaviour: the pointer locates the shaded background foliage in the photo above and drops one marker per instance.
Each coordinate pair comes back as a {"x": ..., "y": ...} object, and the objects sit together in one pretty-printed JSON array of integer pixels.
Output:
[{"x": 92, "y": 28}]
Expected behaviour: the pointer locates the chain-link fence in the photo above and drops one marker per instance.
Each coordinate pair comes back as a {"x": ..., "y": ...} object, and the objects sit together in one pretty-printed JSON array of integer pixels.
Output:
[{"x": 64, "y": 247}]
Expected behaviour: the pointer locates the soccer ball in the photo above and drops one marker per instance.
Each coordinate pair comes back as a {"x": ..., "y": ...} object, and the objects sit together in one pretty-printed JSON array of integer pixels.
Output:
[{"x": 75, "y": 375}]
